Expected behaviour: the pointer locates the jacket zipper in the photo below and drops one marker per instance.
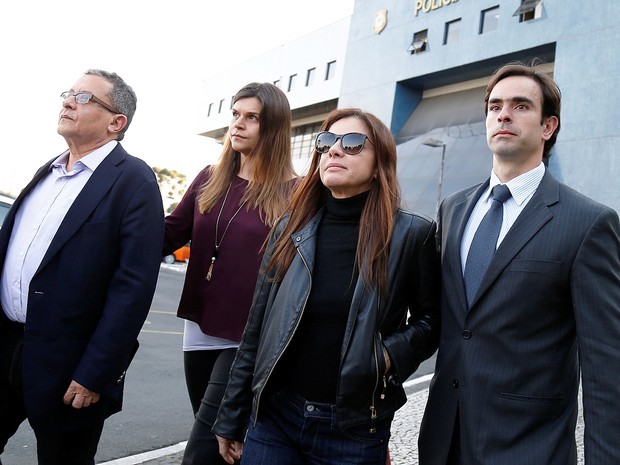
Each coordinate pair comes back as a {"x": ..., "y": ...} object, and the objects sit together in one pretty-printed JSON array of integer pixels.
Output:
[
  {"x": 373, "y": 408},
  {"x": 289, "y": 341}
]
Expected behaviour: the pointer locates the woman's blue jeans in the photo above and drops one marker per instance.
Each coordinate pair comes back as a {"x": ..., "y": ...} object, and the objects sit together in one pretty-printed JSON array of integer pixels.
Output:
[{"x": 293, "y": 431}]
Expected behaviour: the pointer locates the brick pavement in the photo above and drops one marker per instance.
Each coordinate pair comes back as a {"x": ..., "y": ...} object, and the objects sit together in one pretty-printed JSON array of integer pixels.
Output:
[{"x": 403, "y": 444}]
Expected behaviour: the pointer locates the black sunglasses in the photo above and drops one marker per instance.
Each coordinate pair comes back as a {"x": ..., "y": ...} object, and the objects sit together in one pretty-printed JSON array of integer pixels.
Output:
[{"x": 352, "y": 143}]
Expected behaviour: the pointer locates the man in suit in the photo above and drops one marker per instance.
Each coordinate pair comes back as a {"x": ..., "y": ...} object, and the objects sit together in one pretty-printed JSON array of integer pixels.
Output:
[
  {"x": 506, "y": 382},
  {"x": 79, "y": 253}
]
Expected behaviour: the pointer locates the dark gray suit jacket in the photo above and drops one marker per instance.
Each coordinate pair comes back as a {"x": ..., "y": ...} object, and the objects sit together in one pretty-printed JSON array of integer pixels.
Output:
[{"x": 548, "y": 305}]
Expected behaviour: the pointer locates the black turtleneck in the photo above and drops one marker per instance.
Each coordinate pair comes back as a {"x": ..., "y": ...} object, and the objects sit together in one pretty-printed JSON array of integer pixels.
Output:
[{"x": 310, "y": 365}]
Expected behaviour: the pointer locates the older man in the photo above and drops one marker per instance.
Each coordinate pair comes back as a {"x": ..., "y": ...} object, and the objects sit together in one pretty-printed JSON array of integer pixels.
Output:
[{"x": 79, "y": 254}]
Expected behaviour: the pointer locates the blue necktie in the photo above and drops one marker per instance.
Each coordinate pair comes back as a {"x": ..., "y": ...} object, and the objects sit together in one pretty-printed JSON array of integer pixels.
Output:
[{"x": 483, "y": 245}]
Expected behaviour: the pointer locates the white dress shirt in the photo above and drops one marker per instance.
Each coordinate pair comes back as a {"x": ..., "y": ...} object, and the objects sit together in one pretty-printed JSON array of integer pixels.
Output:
[
  {"x": 36, "y": 223},
  {"x": 521, "y": 188}
]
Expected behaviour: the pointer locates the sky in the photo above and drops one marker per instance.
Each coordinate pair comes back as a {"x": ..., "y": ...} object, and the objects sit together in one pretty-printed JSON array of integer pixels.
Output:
[{"x": 163, "y": 49}]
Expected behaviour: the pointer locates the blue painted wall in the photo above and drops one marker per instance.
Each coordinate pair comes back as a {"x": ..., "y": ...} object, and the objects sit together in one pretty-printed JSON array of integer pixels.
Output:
[{"x": 580, "y": 37}]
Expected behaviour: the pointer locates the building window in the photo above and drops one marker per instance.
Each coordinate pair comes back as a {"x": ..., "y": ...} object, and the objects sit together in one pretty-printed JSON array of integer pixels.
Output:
[
  {"x": 291, "y": 82},
  {"x": 302, "y": 142},
  {"x": 452, "y": 33},
  {"x": 489, "y": 19},
  {"x": 331, "y": 70},
  {"x": 277, "y": 83},
  {"x": 210, "y": 109},
  {"x": 310, "y": 76},
  {"x": 528, "y": 10},
  {"x": 419, "y": 43},
  {"x": 221, "y": 106}
]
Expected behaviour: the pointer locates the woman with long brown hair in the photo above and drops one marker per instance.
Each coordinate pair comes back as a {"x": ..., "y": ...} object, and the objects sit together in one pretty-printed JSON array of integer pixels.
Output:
[
  {"x": 227, "y": 213},
  {"x": 318, "y": 374}
]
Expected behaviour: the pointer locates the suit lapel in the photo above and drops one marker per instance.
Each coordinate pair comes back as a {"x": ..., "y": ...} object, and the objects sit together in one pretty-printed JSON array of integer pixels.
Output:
[
  {"x": 456, "y": 220},
  {"x": 85, "y": 203},
  {"x": 9, "y": 221},
  {"x": 533, "y": 217},
  {"x": 39, "y": 175}
]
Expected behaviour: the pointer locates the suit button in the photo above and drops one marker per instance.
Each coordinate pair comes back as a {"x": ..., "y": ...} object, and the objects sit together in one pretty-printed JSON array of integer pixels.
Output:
[
  {"x": 455, "y": 383},
  {"x": 467, "y": 334}
]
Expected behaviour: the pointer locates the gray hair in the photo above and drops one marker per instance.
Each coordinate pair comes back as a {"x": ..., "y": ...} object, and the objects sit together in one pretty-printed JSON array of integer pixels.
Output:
[{"x": 122, "y": 96}]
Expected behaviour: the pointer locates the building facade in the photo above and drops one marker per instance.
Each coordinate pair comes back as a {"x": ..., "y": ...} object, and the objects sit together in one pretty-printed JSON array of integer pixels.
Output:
[
  {"x": 422, "y": 67},
  {"x": 309, "y": 70}
]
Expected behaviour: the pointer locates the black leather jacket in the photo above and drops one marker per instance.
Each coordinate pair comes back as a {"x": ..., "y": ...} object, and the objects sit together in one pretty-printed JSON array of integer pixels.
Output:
[{"x": 365, "y": 392}]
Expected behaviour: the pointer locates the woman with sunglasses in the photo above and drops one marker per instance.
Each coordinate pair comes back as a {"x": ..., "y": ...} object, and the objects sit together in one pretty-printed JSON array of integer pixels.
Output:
[
  {"x": 344, "y": 311},
  {"x": 227, "y": 213}
]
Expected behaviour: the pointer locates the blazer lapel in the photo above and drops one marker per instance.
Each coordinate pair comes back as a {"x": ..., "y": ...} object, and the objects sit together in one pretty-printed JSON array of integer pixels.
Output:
[
  {"x": 533, "y": 217},
  {"x": 9, "y": 221},
  {"x": 40, "y": 174},
  {"x": 85, "y": 203},
  {"x": 455, "y": 223}
]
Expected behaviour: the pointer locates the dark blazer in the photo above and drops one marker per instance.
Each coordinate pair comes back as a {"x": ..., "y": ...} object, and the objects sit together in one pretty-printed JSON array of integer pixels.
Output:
[
  {"x": 92, "y": 292},
  {"x": 548, "y": 306}
]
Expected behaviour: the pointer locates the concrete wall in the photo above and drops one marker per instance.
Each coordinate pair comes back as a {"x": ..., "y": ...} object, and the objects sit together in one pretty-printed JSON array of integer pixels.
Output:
[{"x": 588, "y": 73}]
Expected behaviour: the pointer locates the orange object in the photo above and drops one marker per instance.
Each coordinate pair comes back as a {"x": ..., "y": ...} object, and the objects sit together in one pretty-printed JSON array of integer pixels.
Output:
[
  {"x": 182, "y": 254},
  {"x": 179, "y": 255}
]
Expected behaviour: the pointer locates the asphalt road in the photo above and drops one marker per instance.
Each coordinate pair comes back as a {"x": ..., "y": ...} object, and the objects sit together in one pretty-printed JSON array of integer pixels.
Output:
[{"x": 156, "y": 411}]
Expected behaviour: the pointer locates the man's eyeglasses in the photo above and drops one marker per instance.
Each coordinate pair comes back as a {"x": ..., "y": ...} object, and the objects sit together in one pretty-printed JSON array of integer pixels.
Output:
[
  {"x": 84, "y": 97},
  {"x": 352, "y": 143}
]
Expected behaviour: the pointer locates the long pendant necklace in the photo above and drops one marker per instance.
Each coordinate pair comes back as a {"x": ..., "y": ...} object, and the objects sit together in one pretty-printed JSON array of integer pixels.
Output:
[{"x": 216, "y": 249}]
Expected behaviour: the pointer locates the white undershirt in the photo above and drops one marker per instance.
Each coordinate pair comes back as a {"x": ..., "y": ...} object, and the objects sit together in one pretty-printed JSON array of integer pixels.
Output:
[{"x": 195, "y": 339}]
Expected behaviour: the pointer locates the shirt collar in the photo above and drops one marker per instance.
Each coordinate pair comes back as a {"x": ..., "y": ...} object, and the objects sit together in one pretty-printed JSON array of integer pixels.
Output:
[
  {"x": 523, "y": 186},
  {"x": 90, "y": 161}
]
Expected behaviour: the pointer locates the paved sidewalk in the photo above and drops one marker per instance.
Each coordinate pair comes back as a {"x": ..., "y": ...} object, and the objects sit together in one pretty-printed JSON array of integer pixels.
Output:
[{"x": 403, "y": 444}]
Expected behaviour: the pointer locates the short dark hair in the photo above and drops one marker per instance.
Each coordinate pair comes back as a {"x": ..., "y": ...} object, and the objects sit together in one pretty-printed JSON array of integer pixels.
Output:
[
  {"x": 551, "y": 95},
  {"x": 122, "y": 96}
]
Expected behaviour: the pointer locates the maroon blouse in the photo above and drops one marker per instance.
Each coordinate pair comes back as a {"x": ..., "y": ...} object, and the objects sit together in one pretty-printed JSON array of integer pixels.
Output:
[{"x": 220, "y": 306}]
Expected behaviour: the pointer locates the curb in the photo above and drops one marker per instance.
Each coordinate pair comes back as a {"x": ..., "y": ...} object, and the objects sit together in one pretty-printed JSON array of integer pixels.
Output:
[{"x": 416, "y": 399}]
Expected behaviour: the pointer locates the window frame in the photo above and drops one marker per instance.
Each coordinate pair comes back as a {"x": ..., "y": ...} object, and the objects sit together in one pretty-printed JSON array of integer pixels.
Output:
[
  {"x": 420, "y": 38},
  {"x": 483, "y": 17},
  {"x": 330, "y": 70},
  {"x": 292, "y": 82},
  {"x": 446, "y": 32}
]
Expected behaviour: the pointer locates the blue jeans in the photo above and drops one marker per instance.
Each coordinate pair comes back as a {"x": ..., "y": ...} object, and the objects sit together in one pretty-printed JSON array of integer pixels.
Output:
[{"x": 293, "y": 431}]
